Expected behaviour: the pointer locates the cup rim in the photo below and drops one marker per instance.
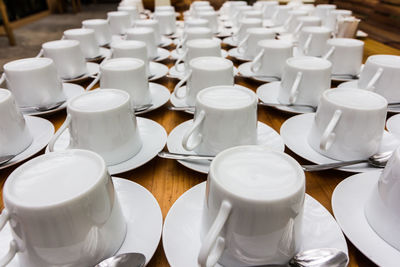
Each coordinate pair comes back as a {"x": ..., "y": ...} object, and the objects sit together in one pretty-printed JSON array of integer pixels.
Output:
[
  {"x": 79, "y": 31},
  {"x": 138, "y": 64},
  {"x": 327, "y": 63},
  {"x": 93, "y": 22},
  {"x": 229, "y": 64},
  {"x": 274, "y": 44},
  {"x": 372, "y": 59},
  {"x": 68, "y": 44},
  {"x": 8, "y": 197},
  {"x": 9, "y": 66},
  {"x": 316, "y": 29},
  {"x": 118, "y": 14},
  {"x": 202, "y": 43},
  {"x": 290, "y": 160},
  {"x": 146, "y": 22},
  {"x": 140, "y": 30},
  {"x": 345, "y": 42},
  {"x": 128, "y": 44},
  {"x": 7, "y": 95}
]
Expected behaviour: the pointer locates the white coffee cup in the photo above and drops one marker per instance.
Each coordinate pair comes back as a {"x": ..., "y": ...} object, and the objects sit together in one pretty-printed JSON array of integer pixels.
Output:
[
  {"x": 212, "y": 19},
  {"x": 204, "y": 72},
  {"x": 248, "y": 47},
  {"x": 167, "y": 22},
  {"x": 133, "y": 12},
  {"x": 102, "y": 121},
  {"x": 101, "y": 30},
  {"x": 340, "y": 131},
  {"x": 382, "y": 205},
  {"x": 200, "y": 9},
  {"x": 345, "y": 54},
  {"x": 67, "y": 56},
  {"x": 323, "y": 10},
  {"x": 304, "y": 79},
  {"x": 34, "y": 82},
  {"x": 291, "y": 23},
  {"x": 87, "y": 41},
  {"x": 63, "y": 210},
  {"x": 281, "y": 14},
  {"x": 195, "y": 22},
  {"x": 198, "y": 48},
  {"x": 151, "y": 23},
  {"x": 14, "y": 134},
  {"x": 136, "y": 3},
  {"x": 191, "y": 34},
  {"x": 247, "y": 212},
  {"x": 331, "y": 20},
  {"x": 239, "y": 14},
  {"x": 305, "y": 21},
  {"x": 269, "y": 8},
  {"x": 129, "y": 75},
  {"x": 225, "y": 116},
  {"x": 381, "y": 73},
  {"x": 131, "y": 48},
  {"x": 164, "y": 8},
  {"x": 312, "y": 40},
  {"x": 145, "y": 35},
  {"x": 233, "y": 8},
  {"x": 119, "y": 21},
  {"x": 272, "y": 58},
  {"x": 245, "y": 24}
]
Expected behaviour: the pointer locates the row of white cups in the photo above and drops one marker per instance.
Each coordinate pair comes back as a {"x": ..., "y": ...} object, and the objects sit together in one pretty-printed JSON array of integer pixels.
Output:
[{"x": 241, "y": 179}]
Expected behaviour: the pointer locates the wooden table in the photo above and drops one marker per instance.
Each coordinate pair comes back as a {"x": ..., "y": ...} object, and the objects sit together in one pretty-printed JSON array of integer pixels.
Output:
[{"x": 168, "y": 180}]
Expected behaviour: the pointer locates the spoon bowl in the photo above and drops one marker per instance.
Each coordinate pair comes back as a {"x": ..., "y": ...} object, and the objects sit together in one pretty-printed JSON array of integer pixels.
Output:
[{"x": 124, "y": 260}]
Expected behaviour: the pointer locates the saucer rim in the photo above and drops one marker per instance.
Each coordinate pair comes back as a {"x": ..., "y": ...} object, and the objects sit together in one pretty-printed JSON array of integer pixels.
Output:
[
  {"x": 160, "y": 51},
  {"x": 161, "y": 68},
  {"x": 92, "y": 69},
  {"x": 234, "y": 53},
  {"x": 243, "y": 66}
]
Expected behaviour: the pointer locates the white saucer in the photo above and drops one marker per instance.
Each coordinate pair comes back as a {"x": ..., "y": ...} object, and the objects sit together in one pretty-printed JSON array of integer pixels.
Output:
[
  {"x": 269, "y": 92},
  {"x": 361, "y": 34},
  {"x": 41, "y": 131},
  {"x": 143, "y": 218},
  {"x": 246, "y": 72},
  {"x": 104, "y": 53},
  {"x": 223, "y": 33},
  {"x": 266, "y": 137},
  {"x": 175, "y": 55},
  {"x": 173, "y": 73},
  {"x": 165, "y": 41},
  {"x": 229, "y": 41},
  {"x": 181, "y": 232},
  {"x": 162, "y": 54},
  {"x": 93, "y": 70},
  {"x": 153, "y": 137},
  {"x": 393, "y": 125},
  {"x": 158, "y": 70},
  {"x": 348, "y": 201},
  {"x": 295, "y": 130},
  {"x": 238, "y": 56},
  {"x": 70, "y": 90},
  {"x": 159, "y": 96}
]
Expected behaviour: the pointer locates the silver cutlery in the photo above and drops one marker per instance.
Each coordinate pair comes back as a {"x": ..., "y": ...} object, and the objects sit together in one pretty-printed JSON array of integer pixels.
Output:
[
  {"x": 345, "y": 76},
  {"x": 378, "y": 160},
  {"x": 6, "y": 158},
  {"x": 263, "y": 77},
  {"x": 43, "y": 108},
  {"x": 188, "y": 108},
  {"x": 124, "y": 260},
  {"x": 142, "y": 107}
]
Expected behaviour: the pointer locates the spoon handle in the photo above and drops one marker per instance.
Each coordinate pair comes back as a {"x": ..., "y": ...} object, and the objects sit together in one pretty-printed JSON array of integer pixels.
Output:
[
  {"x": 321, "y": 167},
  {"x": 177, "y": 156},
  {"x": 286, "y": 105}
]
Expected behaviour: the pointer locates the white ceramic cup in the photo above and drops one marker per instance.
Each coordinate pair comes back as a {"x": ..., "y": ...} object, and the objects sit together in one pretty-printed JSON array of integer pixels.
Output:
[
  {"x": 63, "y": 210},
  {"x": 87, "y": 41},
  {"x": 101, "y": 30},
  {"x": 272, "y": 57},
  {"x": 340, "y": 131},
  {"x": 164, "y": 8},
  {"x": 195, "y": 22},
  {"x": 167, "y": 22},
  {"x": 119, "y": 21},
  {"x": 34, "y": 82},
  {"x": 200, "y": 9},
  {"x": 129, "y": 75},
  {"x": 245, "y": 24},
  {"x": 145, "y": 35},
  {"x": 305, "y": 21},
  {"x": 281, "y": 14},
  {"x": 382, "y": 205},
  {"x": 269, "y": 8},
  {"x": 133, "y": 12},
  {"x": 102, "y": 121},
  {"x": 131, "y": 48},
  {"x": 345, "y": 54},
  {"x": 248, "y": 47},
  {"x": 381, "y": 73},
  {"x": 191, "y": 34},
  {"x": 304, "y": 79},
  {"x": 204, "y": 72},
  {"x": 312, "y": 40},
  {"x": 212, "y": 19},
  {"x": 14, "y": 134},
  {"x": 233, "y": 8},
  {"x": 249, "y": 218},
  {"x": 291, "y": 23},
  {"x": 151, "y": 23},
  {"x": 198, "y": 48},
  {"x": 67, "y": 56},
  {"x": 323, "y": 10},
  {"x": 334, "y": 15},
  {"x": 239, "y": 14},
  {"x": 225, "y": 116}
]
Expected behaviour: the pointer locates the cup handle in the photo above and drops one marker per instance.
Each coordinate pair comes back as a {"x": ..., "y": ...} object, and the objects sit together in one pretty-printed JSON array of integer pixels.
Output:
[
  {"x": 328, "y": 137},
  {"x": 41, "y": 52},
  {"x": 180, "y": 83},
  {"x": 287, "y": 21},
  {"x": 307, "y": 44},
  {"x": 294, "y": 91},
  {"x": 63, "y": 127},
  {"x": 2, "y": 78},
  {"x": 243, "y": 44},
  {"x": 274, "y": 15},
  {"x": 329, "y": 53},
  {"x": 207, "y": 257},
  {"x": 374, "y": 79},
  {"x": 235, "y": 36},
  {"x": 93, "y": 83},
  {"x": 298, "y": 28},
  {"x": 179, "y": 46},
  {"x": 197, "y": 122},
  {"x": 4, "y": 218},
  {"x": 256, "y": 64},
  {"x": 179, "y": 60}
]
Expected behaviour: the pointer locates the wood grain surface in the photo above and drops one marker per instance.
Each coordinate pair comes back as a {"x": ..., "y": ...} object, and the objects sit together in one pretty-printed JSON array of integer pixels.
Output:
[{"x": 168, "y": 180}]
